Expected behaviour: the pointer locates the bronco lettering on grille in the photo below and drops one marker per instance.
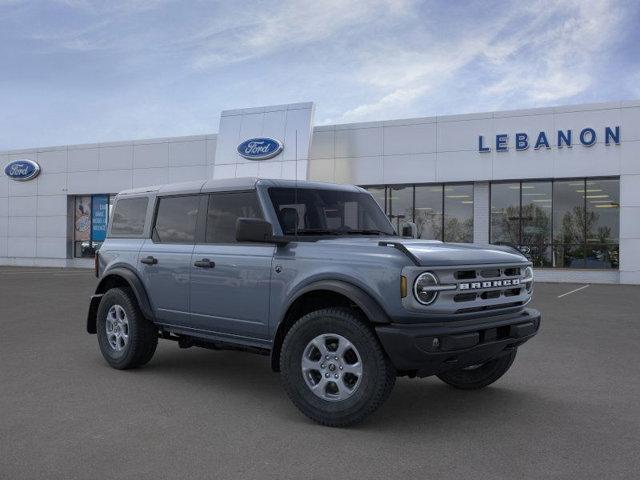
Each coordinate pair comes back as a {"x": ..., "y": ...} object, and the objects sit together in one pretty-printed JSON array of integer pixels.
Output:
[{"x": 489, "y": 284}]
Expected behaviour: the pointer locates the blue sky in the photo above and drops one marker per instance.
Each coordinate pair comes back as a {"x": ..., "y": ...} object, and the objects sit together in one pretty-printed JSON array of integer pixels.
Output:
[{"x": 77, "y": 71}]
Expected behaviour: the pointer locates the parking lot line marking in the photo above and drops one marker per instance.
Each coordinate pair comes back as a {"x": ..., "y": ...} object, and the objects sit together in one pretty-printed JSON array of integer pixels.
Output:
[{"x": 573, "y": 291}]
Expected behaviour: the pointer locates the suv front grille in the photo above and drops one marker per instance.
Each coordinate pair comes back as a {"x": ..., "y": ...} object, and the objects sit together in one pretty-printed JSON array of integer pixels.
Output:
[
  {"x": 491, "y": 273},
  {"x": 487, "y": 287}
]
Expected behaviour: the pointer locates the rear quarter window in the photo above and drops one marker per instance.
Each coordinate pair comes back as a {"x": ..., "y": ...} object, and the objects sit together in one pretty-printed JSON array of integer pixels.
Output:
[
  {"x": 176, "y": 219},
  {"x": 128, "y": 216}
]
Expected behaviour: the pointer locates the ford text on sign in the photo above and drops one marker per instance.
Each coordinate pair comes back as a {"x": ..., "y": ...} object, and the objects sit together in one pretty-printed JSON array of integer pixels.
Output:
[{"x": 260, "y": 148}]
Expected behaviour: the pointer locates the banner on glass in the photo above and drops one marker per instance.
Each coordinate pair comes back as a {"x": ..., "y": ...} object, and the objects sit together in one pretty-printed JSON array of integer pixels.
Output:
[
  {"x": 100, "y": 208},
  {"x": 82, "y": 219}
]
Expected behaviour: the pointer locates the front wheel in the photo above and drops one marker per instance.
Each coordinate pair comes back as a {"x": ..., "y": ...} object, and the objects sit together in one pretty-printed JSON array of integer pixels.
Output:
[
  {"x": 334, "y": 369},
  {"x": 479, "y": 376}
]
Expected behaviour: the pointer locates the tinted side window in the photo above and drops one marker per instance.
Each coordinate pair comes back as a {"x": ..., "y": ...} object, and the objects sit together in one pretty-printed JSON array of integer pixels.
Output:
[
  {"x": 129, "y": 215},
  {"x": 176, "y": 219},
  {"x": 224, "y": 209}
]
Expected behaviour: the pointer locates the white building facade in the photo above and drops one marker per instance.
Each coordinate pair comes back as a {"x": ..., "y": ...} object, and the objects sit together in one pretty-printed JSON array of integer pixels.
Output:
[{"x": 561, "y": 184}]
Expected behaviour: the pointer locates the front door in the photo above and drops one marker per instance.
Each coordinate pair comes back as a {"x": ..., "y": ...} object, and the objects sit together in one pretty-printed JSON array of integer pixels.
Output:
[
  {"x": 165, "y": 259},
  {"x": 230, "y": 281}
]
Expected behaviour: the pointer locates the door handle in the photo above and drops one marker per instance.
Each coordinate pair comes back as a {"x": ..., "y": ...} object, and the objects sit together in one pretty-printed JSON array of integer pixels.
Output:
[
  {"x": 149, "y": 260},
  {"x": 204, "y": 263}
]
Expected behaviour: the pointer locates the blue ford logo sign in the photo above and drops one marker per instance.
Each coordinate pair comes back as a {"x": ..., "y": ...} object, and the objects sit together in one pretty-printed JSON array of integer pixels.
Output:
[
  {"x": 260, "y": 148},
  {"x": 22, "y": 170}
]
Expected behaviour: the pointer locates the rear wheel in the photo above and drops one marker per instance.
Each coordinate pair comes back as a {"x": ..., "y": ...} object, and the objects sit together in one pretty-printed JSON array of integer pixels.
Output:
[
  {"x": 126, "y": 338},
  {"x": 479, "y": 376},
  {"x": 334, "y": 369}
]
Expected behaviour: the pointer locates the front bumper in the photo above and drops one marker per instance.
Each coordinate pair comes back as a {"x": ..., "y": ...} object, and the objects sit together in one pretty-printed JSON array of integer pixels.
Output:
[{"x": 429, "y": 349}]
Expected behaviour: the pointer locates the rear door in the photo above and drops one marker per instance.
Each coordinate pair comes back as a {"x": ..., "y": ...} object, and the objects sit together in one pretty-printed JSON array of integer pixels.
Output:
[
  {"x": 165, "y": 258},
  {"x": 230, "y": 281}
]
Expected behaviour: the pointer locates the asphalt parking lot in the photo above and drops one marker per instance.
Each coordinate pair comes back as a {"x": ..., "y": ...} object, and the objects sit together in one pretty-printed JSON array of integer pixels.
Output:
[{"x": 569, "y": 408}]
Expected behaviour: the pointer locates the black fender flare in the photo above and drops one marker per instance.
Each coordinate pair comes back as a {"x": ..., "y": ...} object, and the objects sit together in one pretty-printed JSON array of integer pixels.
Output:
[
  {"x": 134, "y": 283},
  {"x": 362, "y": 299}
]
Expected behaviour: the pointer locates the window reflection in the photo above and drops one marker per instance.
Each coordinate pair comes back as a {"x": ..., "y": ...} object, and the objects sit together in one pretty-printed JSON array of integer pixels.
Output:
[
  {"x": 440, "y": 212},
  {"x": 458, "y": 213},
  {"x": 378, "y": 195},
  {"x": 505, "y": 214},
  {"x": 603, "y": 223},
  {"x": 428, "y": 212},
  {"x": 568, "y": 212},
  {"x": 603, "y": 211},
  {"x": 565, "y": 223},
  {"x": 400, "y": 202},
  {"x": 536, "y": 200}
]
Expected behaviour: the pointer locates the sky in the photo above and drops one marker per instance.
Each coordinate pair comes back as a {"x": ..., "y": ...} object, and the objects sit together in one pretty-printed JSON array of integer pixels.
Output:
[{"x": 80, "y": 71}]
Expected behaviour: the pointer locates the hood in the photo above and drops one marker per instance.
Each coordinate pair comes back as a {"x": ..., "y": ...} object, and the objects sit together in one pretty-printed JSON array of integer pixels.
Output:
[
  {"x": 432, "y": 253},
  {"x": 437, "y": 254}
]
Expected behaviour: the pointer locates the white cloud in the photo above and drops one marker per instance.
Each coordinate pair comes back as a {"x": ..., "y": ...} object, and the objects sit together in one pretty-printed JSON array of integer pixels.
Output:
[
  {"x": 554, "y": 63},
  {"x": 288, "y": 24},
  {"x": 544, "y": 52},
  {"x": 167, "y": 67}
]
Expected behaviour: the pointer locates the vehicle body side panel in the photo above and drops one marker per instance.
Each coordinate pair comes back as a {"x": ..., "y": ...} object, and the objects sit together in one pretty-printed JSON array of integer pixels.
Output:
[
  {"x": 377, "y": 273},
  {"x": 233, "y": 296},
  {"x": 167, "y": 282}
]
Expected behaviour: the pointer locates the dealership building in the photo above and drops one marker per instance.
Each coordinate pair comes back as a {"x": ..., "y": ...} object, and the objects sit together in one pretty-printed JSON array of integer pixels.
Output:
[{"x": 562, "y": 184}]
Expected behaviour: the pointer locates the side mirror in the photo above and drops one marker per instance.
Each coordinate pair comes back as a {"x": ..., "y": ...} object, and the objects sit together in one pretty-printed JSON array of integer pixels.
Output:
[
  {"x": 253, "y": 230},
  {"x": 409, "y": 229}
]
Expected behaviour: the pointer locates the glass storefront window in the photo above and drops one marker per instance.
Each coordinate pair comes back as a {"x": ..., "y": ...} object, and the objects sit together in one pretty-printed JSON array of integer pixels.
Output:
[
  {"x": 568, "y": 212},
  {"x": 91, "y": 216},
  {"x": 564, "y": 223},
  {"x": 379, "y": 196},
  {"x": 603, "y": 211},
  {"x": 569, "y": 223},
  {"x": 536, "y": 201},
  {"x": 400, "y": 203},
  {"x": 603, "y": 223},
  {"x": 458, "y": 213},
  {"x": 428, "y": 211},
  {"x": 505, "y": 214},
  {"x": 440, "y": 212}
]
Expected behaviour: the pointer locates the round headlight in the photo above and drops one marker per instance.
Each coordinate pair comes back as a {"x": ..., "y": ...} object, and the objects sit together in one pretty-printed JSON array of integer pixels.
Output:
[
  {"x": 423, "y": 288},
  {"x": 528, "y": 279}
]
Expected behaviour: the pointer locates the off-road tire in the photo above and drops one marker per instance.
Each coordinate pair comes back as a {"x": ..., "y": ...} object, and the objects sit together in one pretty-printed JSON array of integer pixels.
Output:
[
  {"x": 143, "y": 335},
  {"x": 378, "y": 375},
  {"x": 480, "y": 377}
]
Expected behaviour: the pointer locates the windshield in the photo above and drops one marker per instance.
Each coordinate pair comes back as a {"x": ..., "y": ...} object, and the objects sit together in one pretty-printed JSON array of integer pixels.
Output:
[{"x": 307, "y": 211}]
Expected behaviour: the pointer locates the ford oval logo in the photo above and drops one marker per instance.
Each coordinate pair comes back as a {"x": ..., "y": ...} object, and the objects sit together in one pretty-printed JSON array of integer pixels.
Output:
[
  {"x": 22, "y": 170},
  {"x": 260, "y": 148}
]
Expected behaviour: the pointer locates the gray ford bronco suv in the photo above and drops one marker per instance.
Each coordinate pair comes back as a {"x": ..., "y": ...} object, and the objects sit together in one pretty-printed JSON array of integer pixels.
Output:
[{"x": 314, "y": 276}]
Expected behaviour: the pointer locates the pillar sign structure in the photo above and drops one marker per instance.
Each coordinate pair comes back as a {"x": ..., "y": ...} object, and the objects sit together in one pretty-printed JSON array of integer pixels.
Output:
[{"x": 268, "y": 142}]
